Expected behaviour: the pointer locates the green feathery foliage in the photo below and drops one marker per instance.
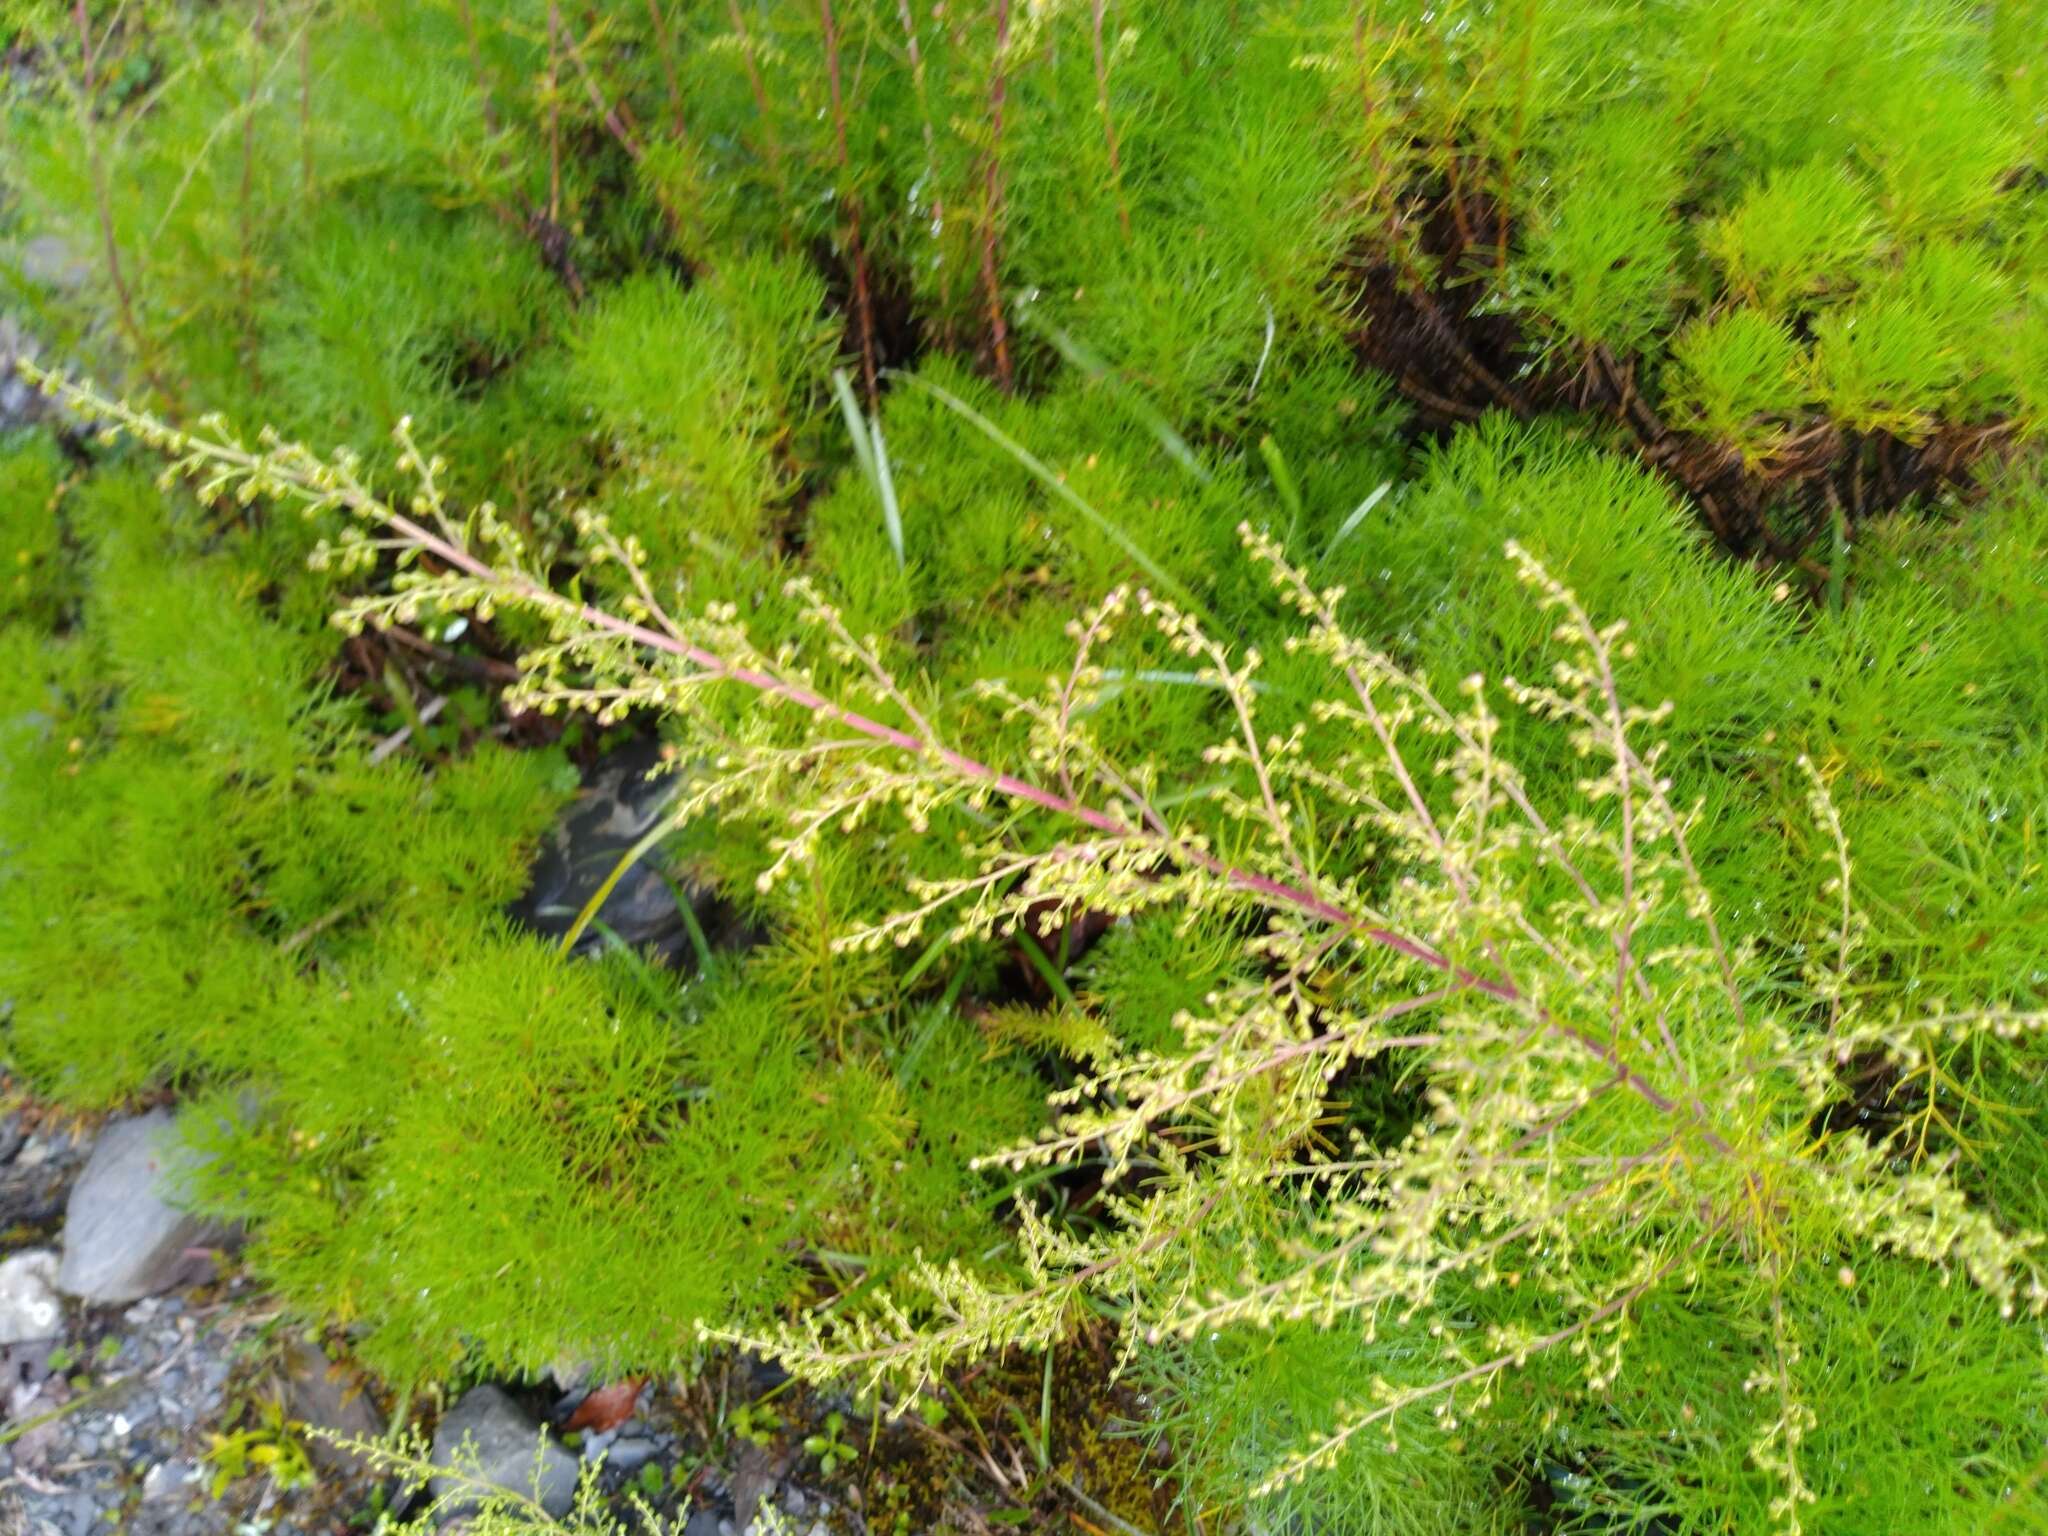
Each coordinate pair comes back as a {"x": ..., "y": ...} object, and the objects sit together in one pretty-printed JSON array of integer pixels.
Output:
[
  {"x": 1619, "y": 1093},
  {"x": 1538, "y": 1073}
]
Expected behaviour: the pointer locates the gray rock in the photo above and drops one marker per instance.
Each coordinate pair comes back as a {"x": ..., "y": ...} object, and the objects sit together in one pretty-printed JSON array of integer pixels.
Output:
[
  {"x": 46, "y": 261},
  {"x": 123, "y": 1239},
  {"x": 29, "y": 1305},
  {"x": 754, "y": 1478},
  {"x": 168, "y": 1480},
  {"x": 332, "y": 1396},
  {"x": 631, "y": 1453},
  {"x": 503, "y": 1440},
  {"x": 570, "y": 1373},
  {"x": 624, "y": 797},
  {"x": 75, "y": 1513},
  {"x": 773, "y": 1522},
  {"x": 19, "y": 403},
  {"x": 43, "y": 262}
]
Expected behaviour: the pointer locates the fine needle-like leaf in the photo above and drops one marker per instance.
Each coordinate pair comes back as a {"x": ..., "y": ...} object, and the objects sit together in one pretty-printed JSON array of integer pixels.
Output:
[
  {"x": 1042, "y": 472},
  {"x": 1096, "y": 366},
  {"x": 872, "y": 454},
  {"x": 1358, "y": 515}
]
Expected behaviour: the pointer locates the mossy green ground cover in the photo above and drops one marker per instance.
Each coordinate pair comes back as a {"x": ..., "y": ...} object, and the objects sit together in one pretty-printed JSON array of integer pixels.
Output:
[{"x": 1734, "y": 315}]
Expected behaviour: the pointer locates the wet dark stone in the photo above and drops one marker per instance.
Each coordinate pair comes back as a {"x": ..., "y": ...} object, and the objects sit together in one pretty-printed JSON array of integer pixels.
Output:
[
  {"x": 617, "y": 806},
  {"x": 35, "y": 1182}
]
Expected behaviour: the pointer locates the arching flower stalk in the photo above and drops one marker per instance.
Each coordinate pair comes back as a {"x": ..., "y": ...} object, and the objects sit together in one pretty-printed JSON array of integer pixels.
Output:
[{"x": 1614, "y": 1095}]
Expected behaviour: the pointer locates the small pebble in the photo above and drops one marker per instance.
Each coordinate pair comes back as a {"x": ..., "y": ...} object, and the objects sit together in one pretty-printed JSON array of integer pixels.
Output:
[
  {"x": 30, "y": 1310},
  {"x": 167, "y": 1480},
  {"x": 631, "y": 1453}
]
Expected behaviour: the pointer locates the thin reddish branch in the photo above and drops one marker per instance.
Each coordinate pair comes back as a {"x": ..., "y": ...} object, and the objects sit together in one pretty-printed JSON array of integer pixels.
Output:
[
  {"x": 771, "y": 147},
  {"x": 477, "y": 72},
  {"x": 665, "y": 48},
  {"x": 548, "y": 236},
  {"x": 863, "y": 303},
  {"x": 992, "y": 211},
  {"x": 617, "y": 119},
  {"x": 124, "y": 298},
  {"x": 1116, "y": 170},
  {"x": 617, "y": 122},
  {"x": 916, "y": 57},
  {"x": 1513, "y": 158},
  {"x": 306, "y": 109},
  {"x": 245, "y": 213},
  {"x": 1279, "y": 893},
  {"x": 554, "y": 114}
]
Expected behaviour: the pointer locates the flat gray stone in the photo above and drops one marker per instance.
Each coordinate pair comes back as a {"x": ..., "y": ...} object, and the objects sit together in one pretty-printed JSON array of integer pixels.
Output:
[
  {"x": 46, "y": 261},
  {"x": 630, "y": 1454},
  {"x": 168, "y": 1480},
  {"x": 30, "y": 1308},
  {"x": 20, "y": 403},
  {"x": 331, "y": 1396},
  {"x": 755, "y": 1478},
  {"x": 503, "y": 1440},
  {"x": 123, "y": 1238}
]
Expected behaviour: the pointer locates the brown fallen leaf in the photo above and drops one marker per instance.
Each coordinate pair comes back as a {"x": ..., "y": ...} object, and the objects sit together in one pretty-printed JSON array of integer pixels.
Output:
[{"x": 608, "y": 1407}]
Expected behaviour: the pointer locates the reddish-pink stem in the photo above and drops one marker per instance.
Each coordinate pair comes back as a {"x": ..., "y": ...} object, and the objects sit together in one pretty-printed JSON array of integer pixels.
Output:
[{"x": 1278, "y": 892}]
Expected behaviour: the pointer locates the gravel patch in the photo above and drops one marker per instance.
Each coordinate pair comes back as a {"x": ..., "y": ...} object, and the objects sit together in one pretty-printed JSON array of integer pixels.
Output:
[{"x": 108, "y": 1411}]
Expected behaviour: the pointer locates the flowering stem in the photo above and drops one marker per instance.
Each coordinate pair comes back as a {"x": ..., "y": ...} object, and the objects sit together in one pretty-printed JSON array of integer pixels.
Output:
[
  {"x": 291, "y": 470},
  {"x": 1277, "y": 892}
]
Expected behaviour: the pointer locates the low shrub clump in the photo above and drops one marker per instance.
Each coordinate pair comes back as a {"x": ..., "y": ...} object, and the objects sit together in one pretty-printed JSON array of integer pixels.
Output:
[{"x": 1373, "y": 676}]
